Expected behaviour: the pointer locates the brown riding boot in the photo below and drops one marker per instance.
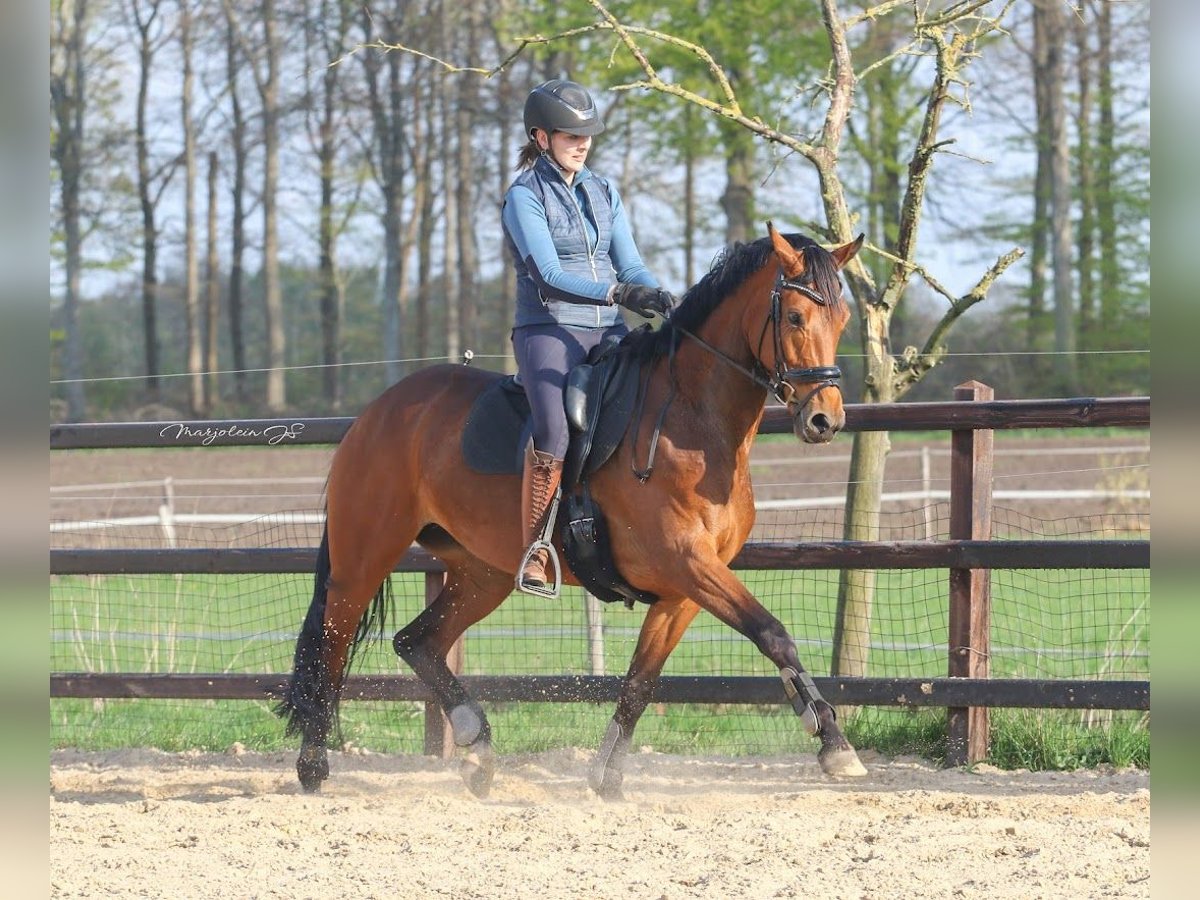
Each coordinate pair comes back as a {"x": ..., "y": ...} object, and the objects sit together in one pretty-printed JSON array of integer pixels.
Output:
[{"x": 539, "y": 481}]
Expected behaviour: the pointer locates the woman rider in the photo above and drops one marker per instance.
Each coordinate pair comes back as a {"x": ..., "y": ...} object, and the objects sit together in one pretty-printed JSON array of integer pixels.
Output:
[{"x": 576, "y": 262}]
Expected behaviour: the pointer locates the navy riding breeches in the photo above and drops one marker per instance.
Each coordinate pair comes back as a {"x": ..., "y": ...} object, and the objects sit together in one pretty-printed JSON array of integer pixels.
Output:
[{"x": 545, "y": 353}]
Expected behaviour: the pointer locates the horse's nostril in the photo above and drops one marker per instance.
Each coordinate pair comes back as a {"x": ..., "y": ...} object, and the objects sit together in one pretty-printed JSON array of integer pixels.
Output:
[{"x": 819, "y": 423}]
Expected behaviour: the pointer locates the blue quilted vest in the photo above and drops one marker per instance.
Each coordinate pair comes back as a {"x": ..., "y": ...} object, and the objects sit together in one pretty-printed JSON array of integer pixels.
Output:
[{"x": 565, "y": 208}]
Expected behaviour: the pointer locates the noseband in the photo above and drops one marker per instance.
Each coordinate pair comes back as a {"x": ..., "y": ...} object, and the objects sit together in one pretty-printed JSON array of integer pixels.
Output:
[{"x": 779, "y": 382}]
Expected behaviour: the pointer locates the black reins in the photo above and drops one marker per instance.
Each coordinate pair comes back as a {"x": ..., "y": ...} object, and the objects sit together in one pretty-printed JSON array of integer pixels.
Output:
[
  {"x": 775, "y": 383},
  {"x": 778, "y": 383}
]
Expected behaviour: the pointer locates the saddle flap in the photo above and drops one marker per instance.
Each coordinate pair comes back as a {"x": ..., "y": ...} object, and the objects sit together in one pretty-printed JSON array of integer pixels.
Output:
[
  {"x": 609, "y": 393},
  {"x": 575, "y": 396}
]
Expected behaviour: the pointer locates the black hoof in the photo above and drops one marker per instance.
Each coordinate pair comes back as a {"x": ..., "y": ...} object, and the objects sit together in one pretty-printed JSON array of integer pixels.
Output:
[{"x": 312, "y": 772}]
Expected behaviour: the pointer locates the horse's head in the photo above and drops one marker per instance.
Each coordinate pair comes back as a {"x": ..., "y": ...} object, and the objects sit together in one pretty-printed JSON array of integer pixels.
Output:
[{"x": 797, "y": 338}]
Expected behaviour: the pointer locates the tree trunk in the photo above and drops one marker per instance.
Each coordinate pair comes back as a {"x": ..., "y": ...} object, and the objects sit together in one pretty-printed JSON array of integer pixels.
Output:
[
  {"x": 738, "y": 198},
  {"x": 689, "y": 201},
  {"x": 1060, "y": 193},
  {"x": 237, "y": 244},
  {"x": 427, "y": 223},
  {"x": 68, "y": 84},
  {"x": 868, "y": 461},
  {"x": 212, "y": 302},
  {"x": 330, "y": 302},
  {"x": 276, "y": 399},
  {"x": 1106, "y": 159},
  {"x": 191, "y": 280},
  {"x": 1039, "y": 254},
  {"x": 1084, "y": 159},
  {"x": 508, "y": 282},
  {"x": 451, "y": 284},
  {"x": 465, "y": 119},
  {"x": 147, "y": 204},
  {"x": 390, "y": 118}
]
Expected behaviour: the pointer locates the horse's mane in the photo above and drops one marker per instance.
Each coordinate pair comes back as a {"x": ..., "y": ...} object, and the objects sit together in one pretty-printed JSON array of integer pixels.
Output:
[{"x": 732, "y": 266}]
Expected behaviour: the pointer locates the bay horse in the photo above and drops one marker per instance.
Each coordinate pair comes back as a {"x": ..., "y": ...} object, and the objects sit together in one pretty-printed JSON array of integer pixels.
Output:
[{"x": 765, "y": 319}]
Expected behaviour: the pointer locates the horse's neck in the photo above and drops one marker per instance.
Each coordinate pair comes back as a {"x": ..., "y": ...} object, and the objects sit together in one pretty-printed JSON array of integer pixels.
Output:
[{"x": 712, "y": 385}]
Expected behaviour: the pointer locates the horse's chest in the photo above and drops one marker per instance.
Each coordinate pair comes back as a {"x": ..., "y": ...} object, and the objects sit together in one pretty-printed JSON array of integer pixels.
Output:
[{"x": 730, "y": 522}]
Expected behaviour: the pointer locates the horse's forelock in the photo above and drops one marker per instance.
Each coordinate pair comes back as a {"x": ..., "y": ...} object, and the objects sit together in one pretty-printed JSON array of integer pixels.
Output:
[{"x": 824, "y": 273}]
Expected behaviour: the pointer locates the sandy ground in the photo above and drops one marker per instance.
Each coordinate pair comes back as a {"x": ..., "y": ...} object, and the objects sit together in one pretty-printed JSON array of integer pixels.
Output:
[{"x": 137, "y": 823}]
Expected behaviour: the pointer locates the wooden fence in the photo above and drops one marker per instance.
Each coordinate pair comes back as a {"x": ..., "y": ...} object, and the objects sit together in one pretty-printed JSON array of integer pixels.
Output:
[{"x": 967, "y": 691}]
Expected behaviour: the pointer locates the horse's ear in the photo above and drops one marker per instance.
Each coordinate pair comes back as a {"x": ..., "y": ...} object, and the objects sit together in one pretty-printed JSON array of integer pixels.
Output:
[
  {"x": 843, "y": 254},
  {"x": 793, "y": 262}
]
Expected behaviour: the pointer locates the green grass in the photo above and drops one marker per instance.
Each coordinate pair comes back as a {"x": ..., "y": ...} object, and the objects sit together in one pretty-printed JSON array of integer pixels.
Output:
[{"x": 1045, "y": 624}]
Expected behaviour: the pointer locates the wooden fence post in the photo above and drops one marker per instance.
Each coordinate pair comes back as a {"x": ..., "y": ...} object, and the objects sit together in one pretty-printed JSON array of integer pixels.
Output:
[
  {"x": 439, "y": 738},
  {"x": 970, "y": 589},
  {"x": 595, "y": 628}
]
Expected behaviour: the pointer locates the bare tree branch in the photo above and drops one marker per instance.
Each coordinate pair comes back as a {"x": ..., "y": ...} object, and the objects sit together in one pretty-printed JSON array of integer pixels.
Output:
[{"x": 914, "y": 364}]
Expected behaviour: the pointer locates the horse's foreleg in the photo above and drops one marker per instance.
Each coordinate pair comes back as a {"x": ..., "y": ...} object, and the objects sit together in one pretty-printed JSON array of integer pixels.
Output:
[
  {"x": 662, "y": 628},
  {"x": 472, "y": 591},
  {"x": 720, "y": 592}
]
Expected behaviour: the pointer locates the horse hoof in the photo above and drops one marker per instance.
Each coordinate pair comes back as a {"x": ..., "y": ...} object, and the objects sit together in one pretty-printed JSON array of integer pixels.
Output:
[
  {"x": 477, "y": 769},
  {"x": 606, "y": 783},
  {"x": 842, "y": 763},
  {"x": 312, "y": 772}
]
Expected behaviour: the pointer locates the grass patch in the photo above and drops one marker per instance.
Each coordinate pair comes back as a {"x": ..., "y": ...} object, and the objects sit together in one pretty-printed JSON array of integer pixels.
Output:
[{"x": 1062, "y": 740}]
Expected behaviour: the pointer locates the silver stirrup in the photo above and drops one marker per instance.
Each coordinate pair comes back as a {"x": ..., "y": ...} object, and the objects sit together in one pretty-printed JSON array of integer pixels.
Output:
[
  {"x": 552, "y": 589},
  {"x": 549, "y": 590}
]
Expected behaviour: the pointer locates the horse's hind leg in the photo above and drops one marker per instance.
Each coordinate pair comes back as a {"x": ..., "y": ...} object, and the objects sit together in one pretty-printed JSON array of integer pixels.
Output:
[
  {"x": 662, "y": 628},
  {"x": 342, "y": 594},
  {"x": 472, "y": 590}
]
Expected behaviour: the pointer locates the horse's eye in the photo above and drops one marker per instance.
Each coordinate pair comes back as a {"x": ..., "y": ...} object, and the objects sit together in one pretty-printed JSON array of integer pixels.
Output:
[{"x": 794, "y": 319}]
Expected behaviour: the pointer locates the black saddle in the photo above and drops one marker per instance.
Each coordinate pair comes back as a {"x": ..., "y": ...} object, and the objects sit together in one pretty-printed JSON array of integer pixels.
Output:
[{"x": 599, "y": 399}]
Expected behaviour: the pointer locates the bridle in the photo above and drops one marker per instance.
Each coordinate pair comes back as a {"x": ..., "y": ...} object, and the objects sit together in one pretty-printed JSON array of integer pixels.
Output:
[{"x": 779, "y": 383}]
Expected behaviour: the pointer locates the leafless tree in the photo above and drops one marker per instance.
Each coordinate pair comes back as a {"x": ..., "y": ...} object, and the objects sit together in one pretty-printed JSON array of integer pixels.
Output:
[
  {"x": 261, "y": 56},
  {"x": 949, "y": 39},
  {"x": 1051, "y": 30},
  {"x": 212, "y": 292},
  {"x": 68, "y": 97},
  {"x": 191, "y": 283},
  {"x": 147, "y": 21}
]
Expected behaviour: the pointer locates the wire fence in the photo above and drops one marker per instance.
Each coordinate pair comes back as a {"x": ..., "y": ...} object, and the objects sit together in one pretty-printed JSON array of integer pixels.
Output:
[{"x": 1045, "y": 623}]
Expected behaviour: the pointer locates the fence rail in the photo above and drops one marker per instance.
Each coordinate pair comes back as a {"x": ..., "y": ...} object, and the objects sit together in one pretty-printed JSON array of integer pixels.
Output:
[
  {"x": 967, "y": 693},
  {"x": 1087, "y": 412},
  {"x": 903, "y": 692},
  {"x": 777, "y": 555}
]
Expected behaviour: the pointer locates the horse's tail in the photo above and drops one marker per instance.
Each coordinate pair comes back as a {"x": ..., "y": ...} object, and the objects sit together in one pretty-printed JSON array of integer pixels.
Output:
[{"x": 310, "y": 702}]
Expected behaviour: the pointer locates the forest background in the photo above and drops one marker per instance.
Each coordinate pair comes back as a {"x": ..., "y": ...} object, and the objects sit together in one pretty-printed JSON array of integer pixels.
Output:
[{"x": 257, "y": 210}]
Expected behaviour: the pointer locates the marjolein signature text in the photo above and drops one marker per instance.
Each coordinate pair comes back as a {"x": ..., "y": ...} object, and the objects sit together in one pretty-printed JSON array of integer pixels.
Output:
[{"x": 271, "y": 434}]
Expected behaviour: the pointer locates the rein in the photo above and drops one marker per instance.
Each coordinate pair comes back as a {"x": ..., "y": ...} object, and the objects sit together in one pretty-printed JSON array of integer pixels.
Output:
[{"x": 777, "y": 383}]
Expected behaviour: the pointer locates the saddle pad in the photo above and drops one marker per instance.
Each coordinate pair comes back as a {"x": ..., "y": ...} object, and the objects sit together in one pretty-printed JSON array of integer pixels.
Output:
[{"x": 497, "y": 428}]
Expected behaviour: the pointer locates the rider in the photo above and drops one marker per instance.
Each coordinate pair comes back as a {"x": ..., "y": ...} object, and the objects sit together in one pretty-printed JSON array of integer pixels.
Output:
[{"x": 576, "y": 262}]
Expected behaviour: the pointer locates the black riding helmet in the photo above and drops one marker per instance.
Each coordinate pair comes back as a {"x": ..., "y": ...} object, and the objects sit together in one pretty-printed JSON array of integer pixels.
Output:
[{"x": 559, "y": 105}]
